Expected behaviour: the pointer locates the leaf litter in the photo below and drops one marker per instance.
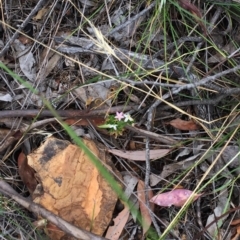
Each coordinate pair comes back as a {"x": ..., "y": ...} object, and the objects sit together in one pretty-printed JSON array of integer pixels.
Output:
[
  {"x": 176, "y": 197},
  {"x": 71, "y": 185},
  {"x": 184, "y": 109}
]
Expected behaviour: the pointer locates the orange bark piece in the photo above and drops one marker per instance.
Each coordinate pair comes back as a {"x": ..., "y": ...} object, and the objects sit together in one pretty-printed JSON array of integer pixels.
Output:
[
  {"x": 73, "y": 187},
  {"x": 184, "y": 125}
]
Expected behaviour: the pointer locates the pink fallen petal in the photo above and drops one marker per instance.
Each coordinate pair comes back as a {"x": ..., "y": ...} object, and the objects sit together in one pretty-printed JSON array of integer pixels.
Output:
[{"x": 176, "y": 197}]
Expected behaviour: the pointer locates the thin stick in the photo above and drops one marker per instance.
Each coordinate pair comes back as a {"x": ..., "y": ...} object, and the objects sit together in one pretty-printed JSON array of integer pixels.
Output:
[
  {"x": 78, "y": 233},
  {"x": 204, "y": 81},
  {"x": 157, "y": 137},
  {"x": 22, "y": 26},
  {"x": 63, "y": 113},
  {"x": 212, "y": 101},
  {"x": 147, "y": 174},
  {"x": 136, "y": 17}
]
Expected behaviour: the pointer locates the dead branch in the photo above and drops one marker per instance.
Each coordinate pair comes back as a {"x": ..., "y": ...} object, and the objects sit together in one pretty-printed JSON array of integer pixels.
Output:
[
  {"x": 63, "y": 113},
  {"x": 7, "y": 190},
  {"x": 22, "y": 26}
]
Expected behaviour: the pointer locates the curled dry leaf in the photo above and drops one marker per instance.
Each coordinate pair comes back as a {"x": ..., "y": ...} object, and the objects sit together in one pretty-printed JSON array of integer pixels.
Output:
[
  {"x": 27, "y": 174},
  {"x": 184, "y": 125},
  {"x": 176, "y": 197},
  {"x": 103, "y": 92},
  {"x": 120, "y": 221},
  {"x": 146, "y": 217},
  {"x": 40, "y": 14},
  {"x": 222, "y": 206},
  {"x": 140, "y": 155},
  {"x": 26, "y": 60},
  {"x": 9, "y": 138},
  {"x": 114, "y": 232},
  {"x": 182, "y": 165},
  {"x": 195, "y": 11},
  {"x": 235, "y": 222},
  {"x": 48, "y": 61},
  {"x": 24, "y": 39},
  {"x": 5, "y": 97}
]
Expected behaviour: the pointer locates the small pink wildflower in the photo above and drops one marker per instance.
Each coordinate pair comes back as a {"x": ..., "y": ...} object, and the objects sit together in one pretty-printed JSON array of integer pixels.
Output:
[{"x": 119, "y": 116}]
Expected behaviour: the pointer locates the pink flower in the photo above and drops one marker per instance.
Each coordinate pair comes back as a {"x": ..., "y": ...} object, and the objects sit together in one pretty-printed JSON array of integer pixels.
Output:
[{"x": 119, "y": 116}]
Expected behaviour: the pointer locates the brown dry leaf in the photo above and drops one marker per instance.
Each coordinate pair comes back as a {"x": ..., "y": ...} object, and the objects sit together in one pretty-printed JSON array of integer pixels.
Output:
[
  {"x": 24, "y": 39},
  {"x": 26, "y": 60},
  {"x": 140, "y": 155},
  {"x": 73, "y": 187},
  {"x": 101, "y": 91},
  {"x": 26, "y": 173},
  {"x": 50, "y": 60},
  {"x": 195, "y": 11},
  {"x": 222, "y": 206},
  {"x": 114, "y": 232},
  {"x": 51, "y": 63},
  {"x": 120, "y": 221},
  {"x": 146, "y": 218},
  {"x": 237, "y": 235},
  {"x": 174, "y": 167},
  {"x": 40, "y": 14},
  {"x": 132, "y": 145},
  {"x": 9, "y": 138},
  {"x": 236, "y": 224},
  {"x": 184, "y": 125}
]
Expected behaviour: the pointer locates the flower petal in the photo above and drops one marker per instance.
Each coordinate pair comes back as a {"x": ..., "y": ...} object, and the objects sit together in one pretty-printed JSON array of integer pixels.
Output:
[
  {"x": 119, "y": 116},
  {"x": 128, "y": 118}
]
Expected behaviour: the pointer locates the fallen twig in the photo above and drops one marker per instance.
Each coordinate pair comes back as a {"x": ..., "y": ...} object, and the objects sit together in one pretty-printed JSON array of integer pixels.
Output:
[
  {"x": 203, "y": 81},
  {"x": 22, "y": 26},
  {"x": 212, "y": 101},
  {"x": 7, "y": 190},
  {"x": 152, "y": 135},
  {"x": 63, "y": 113},
  {"x": 147, "y": 174}
]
